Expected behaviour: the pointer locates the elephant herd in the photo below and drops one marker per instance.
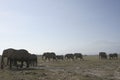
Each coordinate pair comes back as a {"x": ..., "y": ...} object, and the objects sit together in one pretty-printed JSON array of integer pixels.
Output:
[
  {"x": 22, "y": 58},
  {"x": 17, "y": 58},
  {"x": 103, "y": 55},
  {"x": 52, "y": 56}
]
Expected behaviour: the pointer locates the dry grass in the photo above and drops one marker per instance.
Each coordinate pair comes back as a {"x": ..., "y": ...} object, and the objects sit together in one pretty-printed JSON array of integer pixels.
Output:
[{"x": 90, "y": 69}]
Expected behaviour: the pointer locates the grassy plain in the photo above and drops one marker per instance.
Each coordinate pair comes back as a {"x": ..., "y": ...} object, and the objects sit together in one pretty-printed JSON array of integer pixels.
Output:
[{"x": 90, "y": 69}]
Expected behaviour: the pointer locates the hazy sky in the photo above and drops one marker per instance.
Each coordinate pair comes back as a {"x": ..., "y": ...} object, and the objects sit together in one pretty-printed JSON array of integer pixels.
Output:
[{"x": 62, "y": 26}]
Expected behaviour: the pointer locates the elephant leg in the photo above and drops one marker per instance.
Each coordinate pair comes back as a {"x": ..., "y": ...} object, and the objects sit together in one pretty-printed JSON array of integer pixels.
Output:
[
  {"x": 2, "y": 66},
  {"x": 21, "y": 64},
  {"x": 27, "y": 63},
  {"x": 15, "y": 63},
  {"x": 2, "y": 63},
  {"x": 10, "y": 64},
  {"x": 46, "y": 58},
  {"x": 36, "y": 63},
  {"x": 49, "y": 58},
  {"x": 8, "y": 60},
  {"x": 33, "y": 63}
]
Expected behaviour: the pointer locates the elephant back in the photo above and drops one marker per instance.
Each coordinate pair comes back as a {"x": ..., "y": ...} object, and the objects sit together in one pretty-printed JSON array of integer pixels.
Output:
[{"x": 21, "y": 54}]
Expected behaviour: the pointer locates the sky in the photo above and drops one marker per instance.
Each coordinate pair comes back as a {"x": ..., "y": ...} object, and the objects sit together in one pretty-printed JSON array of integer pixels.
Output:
[{"x": 60, "y": 26}]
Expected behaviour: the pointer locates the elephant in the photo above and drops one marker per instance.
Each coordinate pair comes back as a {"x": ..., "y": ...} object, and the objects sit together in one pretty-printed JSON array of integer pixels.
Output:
[
  {"x": 102, "y": 55},
  {"x": 78, "y": 55},
  {"x": 69, "y": 56},
  {"x": 59, "y": 57},
  {"x": 49, "y": 56},
  {"x": 33, "y": 60},
  {"x": 113, "y": 56},
  {"x": 14, "y": 56}
]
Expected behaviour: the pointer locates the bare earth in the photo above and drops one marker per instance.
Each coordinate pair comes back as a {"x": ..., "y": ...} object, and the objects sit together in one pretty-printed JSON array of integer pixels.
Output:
[{"x": 90, "y": 69}]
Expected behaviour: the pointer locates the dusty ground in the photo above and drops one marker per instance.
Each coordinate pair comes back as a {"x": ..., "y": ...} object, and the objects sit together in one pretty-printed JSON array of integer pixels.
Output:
[{"x": 90, "y": 69}]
